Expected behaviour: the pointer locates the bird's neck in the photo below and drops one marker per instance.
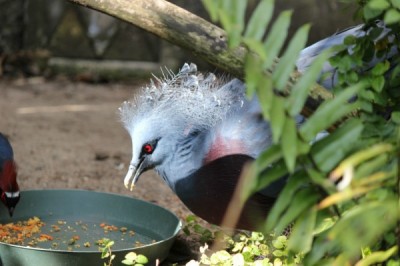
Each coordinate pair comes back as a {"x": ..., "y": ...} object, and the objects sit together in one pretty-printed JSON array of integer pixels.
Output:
[
  {"x": 8, "y": 176},
  {"x": 220, "y": 147},
  {"x": 187, "y": 157}
]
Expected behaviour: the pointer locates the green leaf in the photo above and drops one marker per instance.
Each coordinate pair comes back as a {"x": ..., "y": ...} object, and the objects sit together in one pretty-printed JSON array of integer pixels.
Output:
[
  {"x": 127, "y": 262},
  {"x": 391, "y": 16},
  {"x": 237, "y": 9},
  {"x": 105, "y": 254},
  {"x": 131, "y": 256},
  {"x": 380, "y": 68},
  {"x": 268, "y": 157},
  {"x": 252, "y": 74},
  {"x": 301, "y": 89},
  {"x": 234, "y": 38},
  {"x": 259, "y": 20},
  {"x": 361, "y": 223},
  {"x": 109, "y": 244},
  {"x": 378, "y": 4},
  {"x": 212, "y": 9},
  {"x": 277, "y": 118},
  {"x": 330, "y": 111},
  {"x": 361, "y": 156},
  {"x": 190, "y": 219},
  {"x": 141, "y": 259},
  {"x": 256, "y": 47},
  {"x": 302, "y": 147},
  {"x": 289, "y": 143},
  {"x": 280, "y": 242},
  {"x": 370, "y": 13},
  {"x": 344, "y": 196},
  {"x": 317, "y": 256},
  {"x": 350, "y": 40},
  {"x": 377, "y": 257},
  {"x": 373, "y": 165},
  {"x": 270, "y": 175},
  {"x": 301, "y": 237},
  {"x": 329, "y": 151},
  {"x": 231, "y": 16},
  {"x": 395, "y": 116},
  {"x": 265, "y": 96},
  {"x": 302, "y": 200},
  {"x": 395, "y": 3},
  {"x": 288, "y": 61},
  {"x": 368, "y": 95},
  {"x": 375, "y": 33},
  {"x": 378, "y": 83},
  {"x": 285, "y": 198},
  {"x": 276, "y": 37},
  {"x": 351, "y": 77},
  {"x": 225, "y": 20},
  {"x": 319, "y": 178}
]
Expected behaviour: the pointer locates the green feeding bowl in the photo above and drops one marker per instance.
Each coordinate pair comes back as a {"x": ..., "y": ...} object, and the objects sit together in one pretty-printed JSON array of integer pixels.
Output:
[{"x": 133, "y": 225}]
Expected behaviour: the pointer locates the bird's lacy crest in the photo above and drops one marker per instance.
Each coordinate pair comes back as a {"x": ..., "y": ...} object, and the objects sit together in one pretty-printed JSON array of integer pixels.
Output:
[{"x": 184, "y": 98}]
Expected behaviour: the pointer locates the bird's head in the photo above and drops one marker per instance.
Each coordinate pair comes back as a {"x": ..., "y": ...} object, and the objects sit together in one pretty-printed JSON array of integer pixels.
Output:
[
  {"x": 166, "y": 117},
  {"x": 149, "y": 150}
]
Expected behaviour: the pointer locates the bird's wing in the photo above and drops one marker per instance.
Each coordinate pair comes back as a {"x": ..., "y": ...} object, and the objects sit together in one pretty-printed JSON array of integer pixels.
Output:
[
  {"x": 243, "y": 131},
  {"x": 309, "y": 54},
  {"x": 208, "y": 191}
]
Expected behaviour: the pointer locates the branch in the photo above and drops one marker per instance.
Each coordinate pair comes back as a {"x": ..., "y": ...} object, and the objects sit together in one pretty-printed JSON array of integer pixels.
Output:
[{"x": 191, "y": 32}]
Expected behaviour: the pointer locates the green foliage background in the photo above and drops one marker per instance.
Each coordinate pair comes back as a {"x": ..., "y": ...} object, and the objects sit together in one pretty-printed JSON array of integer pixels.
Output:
[{"x": 342, "y": 194}]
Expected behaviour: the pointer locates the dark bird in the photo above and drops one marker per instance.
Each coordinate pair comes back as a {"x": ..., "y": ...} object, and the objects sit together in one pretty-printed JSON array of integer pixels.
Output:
[
  {"x": 8, "y": 176},
  {"x": 197, "y": 132}
]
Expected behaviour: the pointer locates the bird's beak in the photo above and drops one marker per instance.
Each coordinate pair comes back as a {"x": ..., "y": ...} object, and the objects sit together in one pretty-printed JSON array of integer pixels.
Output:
[
  {"x": 11, "y": 211},
  {"x": 134, "y": 171}
]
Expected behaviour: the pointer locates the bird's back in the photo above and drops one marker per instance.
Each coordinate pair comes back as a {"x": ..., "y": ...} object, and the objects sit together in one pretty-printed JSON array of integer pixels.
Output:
[
  {"x": 6, "y": 152},
  {"x": 310, "y": 53},
  {"x": 242, "y": 130}
]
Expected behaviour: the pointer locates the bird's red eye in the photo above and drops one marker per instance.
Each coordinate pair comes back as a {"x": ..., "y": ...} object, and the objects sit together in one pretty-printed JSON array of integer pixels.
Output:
[{"x": 148, "y": 148}]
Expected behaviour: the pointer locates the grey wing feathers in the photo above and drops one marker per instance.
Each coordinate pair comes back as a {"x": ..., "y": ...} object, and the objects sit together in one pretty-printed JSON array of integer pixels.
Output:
[{"x": 308, "y": 55}]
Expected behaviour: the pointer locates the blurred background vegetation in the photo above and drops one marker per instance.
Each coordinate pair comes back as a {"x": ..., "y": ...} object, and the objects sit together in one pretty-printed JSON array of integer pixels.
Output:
[{"x": 46, "y": 37}]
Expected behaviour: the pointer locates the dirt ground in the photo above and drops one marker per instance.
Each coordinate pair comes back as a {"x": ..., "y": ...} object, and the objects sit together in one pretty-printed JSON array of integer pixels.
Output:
[{"x": 67, "y": 135}]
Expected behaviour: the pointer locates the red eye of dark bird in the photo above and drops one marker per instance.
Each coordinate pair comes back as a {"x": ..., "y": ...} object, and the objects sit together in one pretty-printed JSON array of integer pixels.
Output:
[{"x": 148, "y": 148}]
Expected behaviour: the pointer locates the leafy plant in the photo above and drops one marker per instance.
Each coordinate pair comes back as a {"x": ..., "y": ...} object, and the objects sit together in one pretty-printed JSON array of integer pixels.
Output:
[
  {"x": 131, "y": 258},
  {"x": 106, "y": 252},
  {"x": 243, "y": 248},
  {"x": 342, "y": 193},
  {"x": 135, "y": 259},
  {"x": 192, "y": 226}
]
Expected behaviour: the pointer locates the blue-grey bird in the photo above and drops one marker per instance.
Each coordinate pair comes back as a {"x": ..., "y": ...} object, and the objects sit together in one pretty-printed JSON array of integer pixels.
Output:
[
  {"x": 197, "y": 131},
  {"x": 9, "y": 190}
]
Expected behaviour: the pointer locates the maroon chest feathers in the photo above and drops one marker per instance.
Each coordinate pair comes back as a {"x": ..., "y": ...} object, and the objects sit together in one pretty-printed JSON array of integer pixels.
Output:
[
  {"x": 8, "y": 177},
  {"x": 208, "y": 191},
  {"x": 222, "y": 147}
]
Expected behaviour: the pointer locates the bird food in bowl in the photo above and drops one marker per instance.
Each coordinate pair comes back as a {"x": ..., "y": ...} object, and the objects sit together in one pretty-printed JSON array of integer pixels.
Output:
[{"x": 69, "y": 227}]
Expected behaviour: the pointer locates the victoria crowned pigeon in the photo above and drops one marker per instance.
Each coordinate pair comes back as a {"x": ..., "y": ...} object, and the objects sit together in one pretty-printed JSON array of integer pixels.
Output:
[
  {"x": 8, "y": 175},
  {"x": 197, "y": 131}
]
